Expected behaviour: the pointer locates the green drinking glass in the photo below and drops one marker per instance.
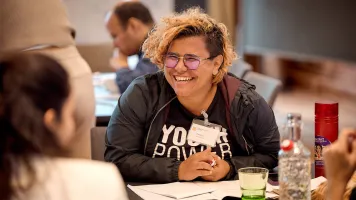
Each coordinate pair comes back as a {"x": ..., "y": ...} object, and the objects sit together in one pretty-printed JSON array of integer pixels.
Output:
[{"x": 253, "y": 181}]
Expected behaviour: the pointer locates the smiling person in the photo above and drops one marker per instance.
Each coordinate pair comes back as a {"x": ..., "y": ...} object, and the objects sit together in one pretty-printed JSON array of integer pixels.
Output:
[{"x": 147, "y": 137}]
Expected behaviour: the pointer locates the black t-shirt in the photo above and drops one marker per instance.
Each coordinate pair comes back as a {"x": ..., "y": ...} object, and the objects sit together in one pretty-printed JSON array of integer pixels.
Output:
[
  {"x": 353, "y": 194},
  {"x": 173, "y": 141}
]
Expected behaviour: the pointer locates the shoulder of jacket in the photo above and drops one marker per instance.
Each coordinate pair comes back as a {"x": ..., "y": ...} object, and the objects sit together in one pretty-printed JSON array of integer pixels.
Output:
[{"x": 247, "y": 92}]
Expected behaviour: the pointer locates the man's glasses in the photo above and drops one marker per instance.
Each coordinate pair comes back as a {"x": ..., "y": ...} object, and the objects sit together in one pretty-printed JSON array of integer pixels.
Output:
[{"x": 190, "y": 61}]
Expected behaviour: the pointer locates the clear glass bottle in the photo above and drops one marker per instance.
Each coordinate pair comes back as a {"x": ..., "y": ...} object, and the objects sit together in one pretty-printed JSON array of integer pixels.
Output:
[
  {"x": 294, "y": 165},
  {"x": 285, "y": 130}
]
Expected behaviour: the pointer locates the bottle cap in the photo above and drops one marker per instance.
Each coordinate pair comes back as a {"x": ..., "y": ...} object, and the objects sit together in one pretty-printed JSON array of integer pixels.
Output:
[
  {"x": 287, "y": 145},
  {"x": 326, "y": 108}
]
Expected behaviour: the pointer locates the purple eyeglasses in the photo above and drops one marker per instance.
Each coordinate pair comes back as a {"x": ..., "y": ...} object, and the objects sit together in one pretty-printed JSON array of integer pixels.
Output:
[{"x": 191, "y": 61}]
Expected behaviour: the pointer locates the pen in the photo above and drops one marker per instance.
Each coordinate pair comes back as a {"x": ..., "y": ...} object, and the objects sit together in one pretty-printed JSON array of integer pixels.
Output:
[{"x": 212, "y": 163}]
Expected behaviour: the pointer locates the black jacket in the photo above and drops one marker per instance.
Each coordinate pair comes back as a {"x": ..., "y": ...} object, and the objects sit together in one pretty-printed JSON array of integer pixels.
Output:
[{"x": 137, "y": 122}]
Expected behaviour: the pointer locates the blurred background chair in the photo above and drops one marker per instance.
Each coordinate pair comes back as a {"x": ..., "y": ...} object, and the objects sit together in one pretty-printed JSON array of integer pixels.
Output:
[
  {"x": 97, "y": 136},
  {"x": 240, "y": 68},
  {"x": 266, "y": 86}
]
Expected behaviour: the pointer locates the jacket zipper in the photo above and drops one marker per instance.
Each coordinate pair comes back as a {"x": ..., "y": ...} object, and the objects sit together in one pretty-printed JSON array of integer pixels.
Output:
[
  {"x": 243, "y": 137},
  {"x": 246, "y": 145},
  {"x": 149, "y": 129}
]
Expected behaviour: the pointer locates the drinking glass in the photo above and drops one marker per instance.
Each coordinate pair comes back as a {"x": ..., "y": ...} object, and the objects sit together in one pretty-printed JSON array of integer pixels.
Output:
[{"x": 253, "y": 181}]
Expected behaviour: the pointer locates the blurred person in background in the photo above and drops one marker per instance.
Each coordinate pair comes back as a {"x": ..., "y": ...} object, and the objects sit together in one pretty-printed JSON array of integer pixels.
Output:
[
  {"x": 340, "y": 166},
  {"x": 37, "y": 129},
  {"x": 129, "y": 24},
  {"x": 42, "y": 26},
  {"x": 147, "y": 134}
]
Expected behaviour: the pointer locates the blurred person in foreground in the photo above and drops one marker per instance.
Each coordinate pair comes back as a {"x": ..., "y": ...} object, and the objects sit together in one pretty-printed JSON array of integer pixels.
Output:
[
  {"x": 129, "y": 24},
  {"x": 37, "y": 129},
  {"x": 147, "y": 133},
  {"x": 42, "y": 26},
  {"x": 340, "y": 166}
]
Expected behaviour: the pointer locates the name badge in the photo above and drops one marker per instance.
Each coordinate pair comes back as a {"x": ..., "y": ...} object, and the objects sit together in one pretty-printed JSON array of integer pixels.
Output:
[{"x": 206, "y": 134}]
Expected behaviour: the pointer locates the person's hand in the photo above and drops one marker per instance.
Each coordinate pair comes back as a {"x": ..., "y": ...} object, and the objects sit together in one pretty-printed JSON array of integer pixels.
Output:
[
  {"x": 119, "y": 61},
  {"x": 340, "y": 163},
  {"x": 196, "y": 165},
  {"x": 340, "y": 157},
  {"x": 220, "y": 170}
]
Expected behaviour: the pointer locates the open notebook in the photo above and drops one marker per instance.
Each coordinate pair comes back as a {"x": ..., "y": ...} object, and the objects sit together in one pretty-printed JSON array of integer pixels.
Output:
[{"x": 202, "y": 190}]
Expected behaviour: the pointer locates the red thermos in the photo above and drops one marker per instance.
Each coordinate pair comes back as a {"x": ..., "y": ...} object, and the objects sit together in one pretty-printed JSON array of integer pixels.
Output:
[{"x": 326, "y": 130}]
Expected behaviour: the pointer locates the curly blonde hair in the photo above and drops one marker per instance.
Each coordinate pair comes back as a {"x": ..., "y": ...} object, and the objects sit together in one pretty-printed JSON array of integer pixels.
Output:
[{"x": 192, "y": 22}]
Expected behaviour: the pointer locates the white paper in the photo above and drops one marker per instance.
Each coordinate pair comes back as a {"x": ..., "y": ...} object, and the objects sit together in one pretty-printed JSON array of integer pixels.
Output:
[
  {"x": 316, "y": 182},
  {"x": 147, "y": 195},
  {"x": 176, "y": 190},
  {"x": 218, "y": 190},
  {"x": 231, "y": 188},
  {"x": 221, "y": 185},
  {"x": 202, "y": 190},
  {"x": 150, "y": 196}
]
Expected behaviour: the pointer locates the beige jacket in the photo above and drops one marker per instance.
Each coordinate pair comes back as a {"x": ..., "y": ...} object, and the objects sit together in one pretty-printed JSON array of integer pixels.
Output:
[
  {"x": 28, "y": 23},
  {"x": 72, "y": 179}
]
